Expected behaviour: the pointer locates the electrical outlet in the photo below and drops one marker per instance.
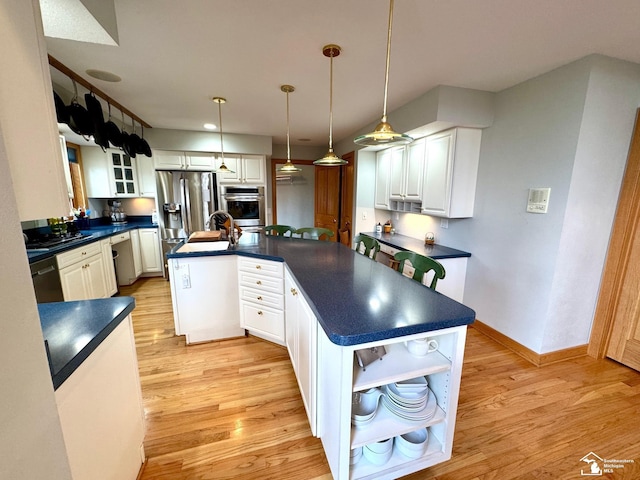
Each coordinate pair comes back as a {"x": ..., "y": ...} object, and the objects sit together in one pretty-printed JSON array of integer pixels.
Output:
[
  {"x": 364, "y": 215},
  {"x": 444, "y": 223},
  {"x": 397, "y": 216},
  {"x": 186, "y": 280}
]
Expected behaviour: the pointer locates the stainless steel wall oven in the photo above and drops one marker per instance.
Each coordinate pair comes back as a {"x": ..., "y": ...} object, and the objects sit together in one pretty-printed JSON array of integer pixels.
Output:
[{"x": 246, "y": 205}]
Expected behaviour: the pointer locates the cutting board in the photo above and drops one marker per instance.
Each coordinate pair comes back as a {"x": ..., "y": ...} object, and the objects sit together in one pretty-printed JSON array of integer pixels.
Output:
[{"x": 212, "y": 236}]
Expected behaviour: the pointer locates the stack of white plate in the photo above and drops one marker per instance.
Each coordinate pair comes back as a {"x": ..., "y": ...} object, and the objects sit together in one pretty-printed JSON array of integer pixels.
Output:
[
  {"x": 410, "y": 399},
  {"x": 364, "y": 406}
]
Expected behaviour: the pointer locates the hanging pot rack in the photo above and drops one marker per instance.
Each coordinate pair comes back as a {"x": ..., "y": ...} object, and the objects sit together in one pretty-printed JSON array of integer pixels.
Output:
[{"x": 78, "y": 79}]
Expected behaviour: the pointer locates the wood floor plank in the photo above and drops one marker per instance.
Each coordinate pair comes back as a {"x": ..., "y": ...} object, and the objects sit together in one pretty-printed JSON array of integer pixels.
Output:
[{"x": 232, "y": 410}]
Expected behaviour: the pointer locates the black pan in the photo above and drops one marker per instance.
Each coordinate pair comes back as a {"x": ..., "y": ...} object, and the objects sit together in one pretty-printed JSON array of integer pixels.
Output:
[
  {"x": 114, "y": 136},
  {"x": 125, "y": 140},
  {"x": 79, "y": 118},
  {"x": 143, "y": 146},
  {"x": 62, "y": 115},
  {"x": 95, "y": 112},
  {"x": 133, "y": 141}
]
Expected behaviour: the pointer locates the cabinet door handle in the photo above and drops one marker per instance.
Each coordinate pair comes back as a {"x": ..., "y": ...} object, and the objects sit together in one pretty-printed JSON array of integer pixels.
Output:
[
  {"x": 294, "y": 291},
  {"x": 259, "y": 312},
  {"x": 84, "y": 253},
  {"x": 258, "y": 282},
  {"x": 258, "y": 267}
]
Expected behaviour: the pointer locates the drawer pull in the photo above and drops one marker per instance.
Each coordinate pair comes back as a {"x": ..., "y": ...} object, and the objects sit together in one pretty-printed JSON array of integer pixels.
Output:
[
  {"x": 259, "y": 312},
  {"x": 294, "y": 291},
  {"x": 258, "y": 267},
  {"x": 84, "y": 253},
  {"x": 260, "y": 297},
  {"x": 258, "y": 282}
]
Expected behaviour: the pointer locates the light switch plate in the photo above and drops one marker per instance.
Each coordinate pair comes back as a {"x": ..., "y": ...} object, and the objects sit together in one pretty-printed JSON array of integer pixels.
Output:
[{"x": 538, "y": 201}]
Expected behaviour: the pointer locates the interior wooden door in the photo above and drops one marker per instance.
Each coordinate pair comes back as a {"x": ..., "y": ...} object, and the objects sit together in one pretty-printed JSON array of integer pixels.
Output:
[
  {"x": 327, "y": 199},
  {"x": 616, "y": 328},
  {"x": 346, "y": 203}
]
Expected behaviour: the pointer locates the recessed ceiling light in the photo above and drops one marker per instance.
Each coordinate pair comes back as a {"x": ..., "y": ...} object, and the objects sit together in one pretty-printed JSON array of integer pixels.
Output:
[
  {"x": 102, "y": 75},
  {"x": 210, "y": 126}
]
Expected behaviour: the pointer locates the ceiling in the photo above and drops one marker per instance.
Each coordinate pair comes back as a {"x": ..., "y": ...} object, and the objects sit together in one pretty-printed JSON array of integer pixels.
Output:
[{"x": 173, "y": 57}]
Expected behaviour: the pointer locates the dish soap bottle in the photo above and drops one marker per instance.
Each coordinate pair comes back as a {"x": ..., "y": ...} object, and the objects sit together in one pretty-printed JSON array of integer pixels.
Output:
[{"x": 378, "y": 228}]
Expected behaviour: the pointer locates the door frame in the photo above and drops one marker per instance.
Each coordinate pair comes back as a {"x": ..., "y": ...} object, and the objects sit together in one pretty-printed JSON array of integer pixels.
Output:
[{"x": 626, "y": 223}]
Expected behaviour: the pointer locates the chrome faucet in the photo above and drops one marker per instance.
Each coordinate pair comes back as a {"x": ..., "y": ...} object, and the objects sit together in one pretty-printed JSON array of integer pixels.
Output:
[{"x": 231, "y": 235}]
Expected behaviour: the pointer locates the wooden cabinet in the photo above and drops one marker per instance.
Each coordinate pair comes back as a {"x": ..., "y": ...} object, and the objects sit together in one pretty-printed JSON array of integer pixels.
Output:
[
  {"x": 383, "y": 179},
  {"x": 339, "y": 378},
  {"x": 110, "y": 280},
  {"x": 204, "y": 293},
  {"x": 301, "y": 341},
  {"x": 451, "y": 171},
  {"x": 101, "y": 411},
  {"x": 111, "y": 174},
  {"x": 247, "y": 169},
  {"x": 261, "y": 298},
  {"x": 150, "y": 250},
  {"x": 197, "y": 161},
  {"x": 82, "y": 273}
]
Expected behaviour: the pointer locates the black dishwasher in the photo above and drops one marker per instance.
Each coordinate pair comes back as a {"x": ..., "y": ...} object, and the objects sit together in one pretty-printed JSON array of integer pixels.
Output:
[{"x": 46, "y": 281}]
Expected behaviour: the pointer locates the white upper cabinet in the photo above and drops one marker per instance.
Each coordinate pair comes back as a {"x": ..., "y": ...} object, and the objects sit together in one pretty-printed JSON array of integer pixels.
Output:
[
  {"x": 407, "y": 167},
  {"x": 383, "y": 179},
  {"x": 197, "y": 161},
  {"x": 451, "y": 171},
  {"x": 109, "y": 174},
  {"x": 146, "y": 176},
  {"x": 250, "y": 169}
]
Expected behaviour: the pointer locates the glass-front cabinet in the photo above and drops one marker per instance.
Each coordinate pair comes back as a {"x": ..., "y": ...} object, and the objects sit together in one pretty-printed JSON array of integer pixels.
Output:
[{"x": 124, "y": 174}]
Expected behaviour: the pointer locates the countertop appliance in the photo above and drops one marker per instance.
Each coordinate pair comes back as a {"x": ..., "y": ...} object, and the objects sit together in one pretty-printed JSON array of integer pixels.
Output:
[
  {"x": 185, "y": 200},
  {"x": 246, "y": 204},
  {"x": 46, "y": 281}
]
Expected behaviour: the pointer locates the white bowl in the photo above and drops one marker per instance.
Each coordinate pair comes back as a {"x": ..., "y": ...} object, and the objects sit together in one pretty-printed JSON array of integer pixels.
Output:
[
  {"x": 377, "y": 458},
  {"x": 355, "y": 456},
  {"x": 364, "y": 406},
  {"x": 383, "y": 446},
  {"x": 415, "y": 441}
]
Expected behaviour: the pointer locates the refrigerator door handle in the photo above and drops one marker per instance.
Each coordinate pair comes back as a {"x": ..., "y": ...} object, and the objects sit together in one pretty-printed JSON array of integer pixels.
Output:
[{"x": 186, "y": 213}]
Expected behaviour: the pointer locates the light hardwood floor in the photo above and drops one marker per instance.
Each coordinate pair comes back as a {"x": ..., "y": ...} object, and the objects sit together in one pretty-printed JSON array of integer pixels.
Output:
[{"x": 232, "y": 410}]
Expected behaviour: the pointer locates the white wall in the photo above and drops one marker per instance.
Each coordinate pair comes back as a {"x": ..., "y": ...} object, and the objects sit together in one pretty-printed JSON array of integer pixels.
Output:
[{"x": 296, "y": 199}]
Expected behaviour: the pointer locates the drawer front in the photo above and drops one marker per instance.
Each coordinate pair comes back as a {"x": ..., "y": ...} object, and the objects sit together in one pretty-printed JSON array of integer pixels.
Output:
[
  {"x": 120, "y": 237},
  {"x": 78, "y": 254},
  {"x": 260, "y": 298},
  {"x": 261, "y": 267},
  {"x": 262, "y": 282},
  {"x": 263, "y": 320},
  {"x": 388, "y": 250}
]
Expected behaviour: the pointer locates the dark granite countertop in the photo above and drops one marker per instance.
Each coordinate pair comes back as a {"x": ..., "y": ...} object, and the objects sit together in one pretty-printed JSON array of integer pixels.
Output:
[
  {"x": 73, "y": 330},
  {"x": 402, "y": 242},
  {"x": 356, "y": 300},
  {"x": 96, "y": 233}
]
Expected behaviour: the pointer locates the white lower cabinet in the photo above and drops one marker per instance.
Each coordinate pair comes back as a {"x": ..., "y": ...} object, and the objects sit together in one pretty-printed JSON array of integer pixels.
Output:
[
  {"x": 135, "y": 249},
  {"x": 261, "y": 298},
  {"x": 203, "y": 294},
  {"x": 150, "y": 250},
  {"x": 110, "y": 280},
  {"x": 301, "y": 340},
  {"x": 339, "y": 377},
  {"x": 82, "y": 273},
  {"x": 101, "y": 412}
]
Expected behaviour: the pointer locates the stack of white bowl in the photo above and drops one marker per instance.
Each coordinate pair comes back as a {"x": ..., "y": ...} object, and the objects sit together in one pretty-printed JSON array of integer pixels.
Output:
[
  {"x": 355, "y": 456},
  {"x": 380, "y": 452},
  {"x": 364, "y": 406},
  {"x": 413, "y": 444}
]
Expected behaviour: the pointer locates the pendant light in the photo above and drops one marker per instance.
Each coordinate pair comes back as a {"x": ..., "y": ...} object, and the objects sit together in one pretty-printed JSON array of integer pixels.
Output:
[
  {"x": 222, "y": 168},
  {"x": 288, "y": 167},
  {"x": 330, "y": 159},
  {"x": 384, "y": 134}
]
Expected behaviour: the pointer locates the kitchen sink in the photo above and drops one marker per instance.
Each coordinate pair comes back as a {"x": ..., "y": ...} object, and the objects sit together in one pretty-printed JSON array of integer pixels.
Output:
[{"x": 203, "y": 247}]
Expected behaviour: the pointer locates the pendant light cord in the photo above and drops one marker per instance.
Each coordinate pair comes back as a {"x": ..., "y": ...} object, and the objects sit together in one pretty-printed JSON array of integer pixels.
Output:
[
  {"x": 331, "y": 102},
  {"x": 220, "y": 122},
  {"x": 288, "y": 144},
  {"x": 386, "y": 73}
]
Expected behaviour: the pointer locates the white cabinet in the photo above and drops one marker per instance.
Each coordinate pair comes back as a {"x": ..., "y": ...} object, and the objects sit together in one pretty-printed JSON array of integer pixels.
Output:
[
  {"x": 110, "y": 174},
  {"x": 150, "y": 250},
  {"x": 383, "y": 179},
  {"x": 146, "y": 176},
  {"x": 301, "y": 340},
  {"x": 135, "y": 250},
  {"x": 109, "y": 268},
  {"x": 82, "y": 273},
  {"x": 101, "y": 412},
  {"x": 451, "y": 171},
  {"x": 247, "y": 169},
  {"x": 65, "y": 165},
  {"x": 261, "y": 287},
  {"x": 204, "y": 293},
  {"x": 339, "y": 378},
  {"x": 168, "y": 160},
  {"x": 407, "y": 166}
]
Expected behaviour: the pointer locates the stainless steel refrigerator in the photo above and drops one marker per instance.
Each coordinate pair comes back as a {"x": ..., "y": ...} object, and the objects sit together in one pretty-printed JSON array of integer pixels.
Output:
[{"x": 185, "y": 202}]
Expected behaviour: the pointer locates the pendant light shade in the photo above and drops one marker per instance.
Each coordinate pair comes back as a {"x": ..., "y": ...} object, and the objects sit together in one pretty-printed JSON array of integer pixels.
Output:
[
  {"x": 384, "y": 135},
  {"x": 288, "y": 167},
  {"x": 222, "y": 168},
  {"x": 330, "y": 159}
]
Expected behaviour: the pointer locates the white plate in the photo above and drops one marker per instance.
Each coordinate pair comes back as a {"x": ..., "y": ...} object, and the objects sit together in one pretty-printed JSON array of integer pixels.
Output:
[{"x": 424, "y": 414}]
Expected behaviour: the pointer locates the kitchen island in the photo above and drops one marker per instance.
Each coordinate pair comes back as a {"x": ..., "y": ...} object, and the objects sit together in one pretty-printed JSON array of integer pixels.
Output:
[
  {"x": 336, "y": 303},
  {"x": 94, "y": 370}
]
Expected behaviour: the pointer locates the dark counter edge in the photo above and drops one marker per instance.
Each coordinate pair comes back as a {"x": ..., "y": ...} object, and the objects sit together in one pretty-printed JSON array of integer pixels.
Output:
[
  {"x": 73, "y": 364},
  {"x": 402, "y": 242},
  {"x": 341, "y": 340}
]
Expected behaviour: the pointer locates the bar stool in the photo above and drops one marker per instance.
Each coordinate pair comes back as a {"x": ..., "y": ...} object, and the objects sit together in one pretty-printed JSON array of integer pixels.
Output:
[
  {"x": 367, "y": 246},
  {"x": 315, "y": 233},
  {"x": 421, "y": 265},
  {"x": 278, "y": 230}
]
